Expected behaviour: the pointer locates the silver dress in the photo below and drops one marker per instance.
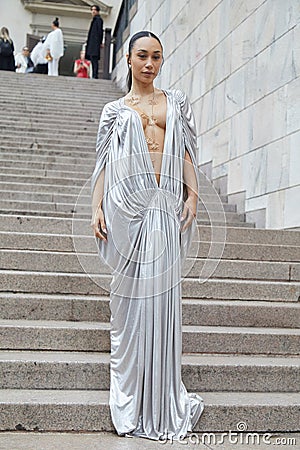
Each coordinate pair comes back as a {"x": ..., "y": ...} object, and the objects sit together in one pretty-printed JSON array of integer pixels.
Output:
[{"x": 145, "y": 250}]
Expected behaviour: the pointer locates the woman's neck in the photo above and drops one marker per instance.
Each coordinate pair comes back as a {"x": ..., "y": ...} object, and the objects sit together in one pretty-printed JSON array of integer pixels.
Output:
[{"x": 142, "y": 89}]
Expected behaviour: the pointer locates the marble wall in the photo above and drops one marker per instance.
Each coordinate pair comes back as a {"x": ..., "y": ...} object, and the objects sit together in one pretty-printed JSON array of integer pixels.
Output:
[{"x": 239, "y": 63}]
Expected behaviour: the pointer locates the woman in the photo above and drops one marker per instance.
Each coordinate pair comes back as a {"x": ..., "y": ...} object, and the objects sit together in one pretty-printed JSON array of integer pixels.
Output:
[
  {"x": 145, "y": 193},
  {"x": 54, "y": 48},
  {"x": 82, "y": 66},
  {"x": 7, "y": 60}
]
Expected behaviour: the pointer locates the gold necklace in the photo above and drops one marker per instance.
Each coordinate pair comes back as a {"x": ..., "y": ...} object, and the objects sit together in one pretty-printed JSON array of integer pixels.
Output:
[{"x": 134, "y": 100}]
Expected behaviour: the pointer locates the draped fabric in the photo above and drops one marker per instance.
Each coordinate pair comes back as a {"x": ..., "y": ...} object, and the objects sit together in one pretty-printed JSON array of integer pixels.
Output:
[
  {"x": 55, "y": 43},
  {"x": 145, "y": 250}
]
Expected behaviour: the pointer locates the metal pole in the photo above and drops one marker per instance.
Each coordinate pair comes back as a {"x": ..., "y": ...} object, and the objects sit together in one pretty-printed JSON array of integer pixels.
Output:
[{"x": 106, "y": 62}]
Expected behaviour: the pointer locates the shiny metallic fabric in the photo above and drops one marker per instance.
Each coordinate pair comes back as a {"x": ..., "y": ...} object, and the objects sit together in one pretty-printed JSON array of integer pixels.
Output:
[{"x": 145, "y": 250}]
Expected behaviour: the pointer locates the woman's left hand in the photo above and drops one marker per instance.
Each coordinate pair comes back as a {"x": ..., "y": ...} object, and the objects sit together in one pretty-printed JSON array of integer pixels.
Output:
[{"x": 189, "y": 212}]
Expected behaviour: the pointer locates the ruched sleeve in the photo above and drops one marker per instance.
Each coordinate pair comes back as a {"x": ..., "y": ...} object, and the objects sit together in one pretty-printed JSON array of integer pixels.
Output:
[
  {"x": 188, "y": 125},
  {"x": 104, "y": 136}
]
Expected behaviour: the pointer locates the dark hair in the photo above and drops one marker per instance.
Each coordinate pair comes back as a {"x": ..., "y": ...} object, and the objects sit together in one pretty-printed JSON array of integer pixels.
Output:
[
  {"x": 133, "y": 39},
  {"x": 96, "y": 6},
  {"x": 56, "y": 22}
]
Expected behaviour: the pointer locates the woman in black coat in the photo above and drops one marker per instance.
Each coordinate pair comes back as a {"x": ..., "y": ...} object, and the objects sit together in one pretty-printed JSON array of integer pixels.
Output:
[{"x": 7, "y": 59}]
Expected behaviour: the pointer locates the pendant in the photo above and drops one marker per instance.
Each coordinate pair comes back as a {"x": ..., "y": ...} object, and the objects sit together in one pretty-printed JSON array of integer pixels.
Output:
[
  {"x": 152, "y": 101},
  {"x": 152, "y": 145},
  {"x": 134, "y": 99},
  {"x": 151, "y": 121}
]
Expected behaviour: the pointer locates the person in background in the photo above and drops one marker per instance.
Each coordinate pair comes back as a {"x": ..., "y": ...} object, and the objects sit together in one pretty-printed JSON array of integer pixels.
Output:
[
  {"x": 7, "y": 59},
  {"x": 54, "y": 48},
  {"x": 82, "y": 66},
  {"x": 94, "y": 40},
  {"x": 38, "y": 59},
  {"x": 23, "y": 61}
]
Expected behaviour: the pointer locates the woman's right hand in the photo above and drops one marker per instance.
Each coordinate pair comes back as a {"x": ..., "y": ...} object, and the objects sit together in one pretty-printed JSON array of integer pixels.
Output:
[{"x": 98, "y": 225}]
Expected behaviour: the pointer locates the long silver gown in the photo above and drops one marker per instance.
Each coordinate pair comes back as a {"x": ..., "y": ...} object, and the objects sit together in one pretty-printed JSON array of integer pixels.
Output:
[{"x": 145, "y": 250}]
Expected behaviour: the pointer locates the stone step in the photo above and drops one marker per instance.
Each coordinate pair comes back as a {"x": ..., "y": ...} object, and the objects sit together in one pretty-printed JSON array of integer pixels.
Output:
[
  {"x": 46, "y": 159},
  {"x": 54, "y": 122},
  {"x": 49, "y": 197},
  {"x": 84, "y": 210},
  {"x": 51, "y": 147},
  {"x": 91, "y": 371},
  {"x": 26, "y": 139},
  {"x": 66, "y": 262},
  {"x": 54, "y": 176},
  {"x": 247, "y": 313},
  {"x": 95, "y": 336},
  {"x": 28, "y": 125},
  {"x": 80, "y": 283},
  {"x": 81, "y": 410},
  {"x": 214, "y": 218},
  {"x": 19, "y": 165},
  {"x": 87, "y": 244},
  {"x": 52, "y": 225}
]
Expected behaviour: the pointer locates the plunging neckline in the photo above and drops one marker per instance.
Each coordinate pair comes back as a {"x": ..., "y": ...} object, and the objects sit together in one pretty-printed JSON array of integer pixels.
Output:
[{"x": 158, "y": 184}]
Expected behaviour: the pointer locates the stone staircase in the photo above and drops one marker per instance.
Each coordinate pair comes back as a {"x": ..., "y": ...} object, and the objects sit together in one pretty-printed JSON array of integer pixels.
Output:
[{"x": 240, "y": 327}]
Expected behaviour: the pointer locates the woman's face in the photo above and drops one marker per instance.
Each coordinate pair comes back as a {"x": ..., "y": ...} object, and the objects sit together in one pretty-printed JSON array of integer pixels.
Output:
[{"x": 146, "y": 59}]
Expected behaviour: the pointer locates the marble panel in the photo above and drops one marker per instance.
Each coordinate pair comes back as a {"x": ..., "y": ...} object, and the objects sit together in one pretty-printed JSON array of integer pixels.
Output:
[
  {"x": 236, "y": 181},
  {"x": 255, "y": 171},
  {"x": 217, "y": 140},
  {"x": 205, "y": 113},
  {"x": 220, "y": 171},
  {"x": 294, "y": 170},
  {"x": 278, "y": 155},
  {"x": 241, "y": 133},
  {"x": 197, "y": 80},
  {"x": 293, "y": 106},
  {"x": 269, "y": 118},
  {"x": 250, "y": 82},
  {"x": 210, "y": 70},
  {"x": 254, "y": 203},
  {"x": 158, "y": 21},
  {"x": 223, "y": 60},
  {"x": 281, "y": 69},
  {"x": 243, "y": 43},
  {"x": 291, "y": 209},
  {"x": 260, "y": 83},
  {"x": 200, "y": 9},
  {"x": 264, "y": 28},
  {"x": 296, "y": 50},
  {"x": 197, "y": 51},
  {"x": 235, "y": 93},
  {"x": 197, "y": 107},
  {"x": 240, "y": 9}
]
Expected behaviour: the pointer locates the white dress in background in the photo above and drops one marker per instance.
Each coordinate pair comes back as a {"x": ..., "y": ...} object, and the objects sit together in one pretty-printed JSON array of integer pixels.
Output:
[{"x": 55, "y": 43}]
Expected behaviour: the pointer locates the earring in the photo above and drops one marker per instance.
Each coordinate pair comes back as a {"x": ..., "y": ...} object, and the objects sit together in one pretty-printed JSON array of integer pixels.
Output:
[{"x": 129, "y": 65}]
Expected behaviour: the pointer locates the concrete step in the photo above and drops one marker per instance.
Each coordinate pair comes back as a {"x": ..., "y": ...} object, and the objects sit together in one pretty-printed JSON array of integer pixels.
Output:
[
  {"x": 28, "y": 125},
  {"x": 49, "y": 197},
  {"x": 53, "y": 176},
  {"x": 52, "y": 166},
  {"x": 52, "y": 225},
  {"x": 82, "y": 410},
  {"x": 41, "y": 139},
  {"x": 95, "y": 336},
  {"x": 84, "y": 210},
  {"x": 80, "y": 283},
  {"x": 91, "y": 371},
  {"x": 87, "y": 244},
  {"x": 247, "y": 313},
  {"x": 50, "y": 261}
]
